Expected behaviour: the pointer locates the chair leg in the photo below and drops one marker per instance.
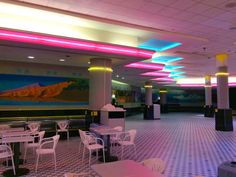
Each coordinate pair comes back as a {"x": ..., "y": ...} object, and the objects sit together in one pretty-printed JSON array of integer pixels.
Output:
[
  {"x": 68, "y": 135},
  {"x": 103, "y": 152},
  {"x": 135, "y": 151},
  {"x": 55, "y": 161},
  {"x": 37, "y": 162},
  {"x": 25, "y": 154},
  {"x": 90, "y": 158},
  {"x": 13, "y": 165},
  {"x": 83, "y": 155},
  {"x": 122, "y": 151}
]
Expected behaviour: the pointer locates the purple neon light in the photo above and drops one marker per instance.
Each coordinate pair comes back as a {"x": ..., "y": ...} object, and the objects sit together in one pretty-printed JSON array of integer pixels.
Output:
[
  {"x": 160, "y": 74},
  {"x": 163, "y": 79},
  {"x": 143, "y": 65},
  {"x": 74, "y": 44}
]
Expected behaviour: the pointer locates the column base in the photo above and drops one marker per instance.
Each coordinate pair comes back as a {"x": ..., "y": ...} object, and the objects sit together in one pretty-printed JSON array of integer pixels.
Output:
[
  {"x": 164, "y": 108},
  {"x": 148, "y": 113},
  {"x": 223, "y": 120},
  {"x": 209, "y": 111}
]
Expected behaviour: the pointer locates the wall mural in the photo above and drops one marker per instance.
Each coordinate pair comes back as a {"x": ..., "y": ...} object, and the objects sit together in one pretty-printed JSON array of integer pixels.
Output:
[{"x": 23, "y": 90}]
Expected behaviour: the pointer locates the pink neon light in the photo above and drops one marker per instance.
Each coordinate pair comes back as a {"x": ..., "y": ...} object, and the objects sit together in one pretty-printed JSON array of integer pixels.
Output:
[
  {"x": 161, "y": 74},
  {"x": 232, "y": 84},
  {"x": 163, "y": 79},
  {"x": 74, "y": 44},
  {"x": 143, "y": 65}
]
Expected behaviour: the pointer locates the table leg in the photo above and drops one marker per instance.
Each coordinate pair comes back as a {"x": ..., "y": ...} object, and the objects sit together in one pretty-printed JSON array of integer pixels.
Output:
[
  {"x": 19, "y": 171},
  {"x": 108, "y": 157}
]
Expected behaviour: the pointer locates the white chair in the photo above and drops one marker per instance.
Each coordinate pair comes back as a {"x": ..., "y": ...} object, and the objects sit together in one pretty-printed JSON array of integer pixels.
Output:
[
  {"x": 155, "y": 164},
  {"x": 38, "y": 137},
  {"x": 91, "y": 139},
  {"x": 92, "y": 144},
  {"x": 127, "y": 139},
  {"x": 116, "y": 137},
  {"x": 34, "y": 126},
  {"x": 63, "y": 126},
  {"x": 6, "y": 152},
  {"x": 48, "y": 146}
]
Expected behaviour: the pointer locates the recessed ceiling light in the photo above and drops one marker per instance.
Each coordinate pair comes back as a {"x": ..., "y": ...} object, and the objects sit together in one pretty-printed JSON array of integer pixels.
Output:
[
  {"x": 123, "y": 78},
  {"x": 117, "y": 75},
  {"x": 89, "y": 62},
  {"x": 31, "y": 57},
  {"x": 62, "y": 59}
]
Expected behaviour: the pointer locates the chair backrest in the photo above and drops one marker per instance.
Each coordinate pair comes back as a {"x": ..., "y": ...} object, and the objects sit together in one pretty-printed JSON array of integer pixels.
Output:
[
  {"x": 41, "y": 135},
  {"x": 5, "y": 151},
  {"x": 132, "y": 134},
  {"x": 118, "y": 128},
  {"x": 63, "y": 125},
  {"x": 4, "y": 127},
  {"x": 155, "y": 164},
  {"x": 55, "y": 141},
  {"x": 34, "y": 126}
]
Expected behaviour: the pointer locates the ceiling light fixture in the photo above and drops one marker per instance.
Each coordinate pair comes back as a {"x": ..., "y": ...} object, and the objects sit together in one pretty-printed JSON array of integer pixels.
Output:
[
  {"x": 62, "y": 60},
  {"x": 31, "y": 57},
  {"x": 79, "y": 44}
]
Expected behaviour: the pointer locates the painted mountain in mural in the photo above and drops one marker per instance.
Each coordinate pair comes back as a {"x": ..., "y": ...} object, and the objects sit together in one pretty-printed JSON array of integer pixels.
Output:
[{"x": 37, "y": 90}]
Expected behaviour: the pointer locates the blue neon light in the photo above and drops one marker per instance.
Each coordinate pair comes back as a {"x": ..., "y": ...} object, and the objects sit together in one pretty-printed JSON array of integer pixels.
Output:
[
  {"x": 159, "y": 45},
  {"x": 178, "y": 76},
  {"x": 166, "y": 59},
  {"x": 172, "y": 67},
  {"x": 175, "y": 73}
]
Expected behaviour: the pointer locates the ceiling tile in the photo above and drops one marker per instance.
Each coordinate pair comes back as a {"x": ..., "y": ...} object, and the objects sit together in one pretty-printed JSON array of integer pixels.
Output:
[
  {"x": 182, "y": 4},
  {"x": 151, "y": 7}
]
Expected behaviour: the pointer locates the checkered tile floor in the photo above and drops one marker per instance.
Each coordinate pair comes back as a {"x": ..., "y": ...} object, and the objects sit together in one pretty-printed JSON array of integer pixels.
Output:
[{"x": 187, "y": 143}]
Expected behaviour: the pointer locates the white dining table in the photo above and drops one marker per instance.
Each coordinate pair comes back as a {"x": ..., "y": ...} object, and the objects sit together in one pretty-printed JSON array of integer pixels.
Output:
[
  {"x": 16, "y": 137},
  {"x": 124, "y": 168}
]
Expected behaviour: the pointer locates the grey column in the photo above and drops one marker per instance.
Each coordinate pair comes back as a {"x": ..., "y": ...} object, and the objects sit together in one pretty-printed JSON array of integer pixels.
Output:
[
  {"x": 222, "y": 82},
  {"x": 100, "y": 76},
  {"x": 208, "y": 91},
  {"x": 163, "y": 95},
  {"x": 148, "y": 93}
]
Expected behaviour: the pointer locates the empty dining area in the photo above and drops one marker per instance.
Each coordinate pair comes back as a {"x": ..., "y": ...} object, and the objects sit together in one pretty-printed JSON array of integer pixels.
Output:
[{"x": 177, "y": 145}]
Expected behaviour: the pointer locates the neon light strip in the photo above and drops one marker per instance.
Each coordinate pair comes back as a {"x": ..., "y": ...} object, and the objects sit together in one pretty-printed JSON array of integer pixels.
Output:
[
  {"x": 161, "y": 74},
  {"x": 163, "y": 91},
  {"x": 163, "y": 79},
  {"x": 222, "y": 74},
  {"x": 143, "y": 65},
  {"x": 147, "y": 86},
  {"x": 74, "y": 44},
  {"x": 99, "y": 68},
  {"x": 118, "y": 82}
]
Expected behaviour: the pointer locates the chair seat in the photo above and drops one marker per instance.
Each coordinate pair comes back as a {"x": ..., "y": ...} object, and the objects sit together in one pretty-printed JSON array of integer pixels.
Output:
[
  {"x": 44, "y": 151},
  {"x": 94, "y": 146},
  {"x": 32, "y": 145},
  {"x": 125, "y": 143},
  {"x": 5, "y": 155}
]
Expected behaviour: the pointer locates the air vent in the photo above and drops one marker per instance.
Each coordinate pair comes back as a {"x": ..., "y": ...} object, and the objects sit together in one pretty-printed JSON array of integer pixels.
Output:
[
  {"x": 230, "y": 5},
  {"x": 233, "y": 28}
]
